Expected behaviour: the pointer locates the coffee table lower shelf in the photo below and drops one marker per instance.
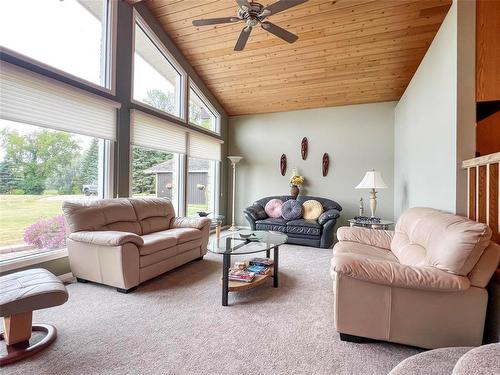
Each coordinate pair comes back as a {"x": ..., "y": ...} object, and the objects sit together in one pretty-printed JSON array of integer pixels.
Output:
[{"x": 237, "y": 286}]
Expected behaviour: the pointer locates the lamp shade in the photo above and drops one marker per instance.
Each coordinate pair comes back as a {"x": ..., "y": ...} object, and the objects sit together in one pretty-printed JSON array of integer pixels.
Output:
[
  {"x": 372, "y": 180},
  {"x": 235, "y": 159}
]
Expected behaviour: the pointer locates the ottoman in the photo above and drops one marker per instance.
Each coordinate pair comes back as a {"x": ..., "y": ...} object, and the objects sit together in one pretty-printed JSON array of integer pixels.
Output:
[{"x": 20, "y": 294}]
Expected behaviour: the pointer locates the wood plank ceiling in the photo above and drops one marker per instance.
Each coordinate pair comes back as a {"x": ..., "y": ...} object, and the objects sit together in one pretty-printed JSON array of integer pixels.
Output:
[{"x": 348, "y": 51}]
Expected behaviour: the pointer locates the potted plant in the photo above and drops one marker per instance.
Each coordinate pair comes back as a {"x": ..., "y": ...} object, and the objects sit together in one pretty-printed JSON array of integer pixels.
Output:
[{"x": 296, "y": 181}]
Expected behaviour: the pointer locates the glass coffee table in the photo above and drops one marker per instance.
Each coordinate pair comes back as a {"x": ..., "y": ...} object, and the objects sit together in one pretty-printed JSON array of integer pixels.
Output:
[{"x": 235, "y": 244}]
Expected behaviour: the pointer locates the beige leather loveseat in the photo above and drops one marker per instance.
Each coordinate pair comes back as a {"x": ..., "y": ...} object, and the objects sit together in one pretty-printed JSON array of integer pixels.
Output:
[
  {"x": 124, "y": 242},
  {"x": 422, "y": 284}
]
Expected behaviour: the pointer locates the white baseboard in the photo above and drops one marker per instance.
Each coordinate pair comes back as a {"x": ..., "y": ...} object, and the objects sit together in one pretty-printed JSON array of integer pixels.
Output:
[{"x": 66, "y": 277}]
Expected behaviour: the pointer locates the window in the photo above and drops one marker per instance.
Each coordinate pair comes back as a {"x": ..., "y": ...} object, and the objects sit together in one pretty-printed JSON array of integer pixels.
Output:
[
  {"x": 40, "y": 168},
  {"x": 156, "y": 173},
  {"x": 202, "y": 114},
  {"x": 157, "y": 80},
  {"x": 70, "y": 35},
  {"x": 202, "y": 186}
]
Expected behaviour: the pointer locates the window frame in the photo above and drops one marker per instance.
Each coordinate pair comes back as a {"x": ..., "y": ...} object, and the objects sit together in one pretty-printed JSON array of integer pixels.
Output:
[
  {"x": 138, "y": 20},
  {"x": 107, "y": 61},
  {"x": 208, "y": 104}
]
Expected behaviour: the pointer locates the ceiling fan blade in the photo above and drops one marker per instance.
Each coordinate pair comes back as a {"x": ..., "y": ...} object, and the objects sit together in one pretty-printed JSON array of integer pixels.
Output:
[
  {"x": 215, "y": 21},
  {"x": 242, "y": 40},
  {"x": 243, "y": 4},
  {"x": 279, "y": 32},
  {"x": 282, "y": 5}
]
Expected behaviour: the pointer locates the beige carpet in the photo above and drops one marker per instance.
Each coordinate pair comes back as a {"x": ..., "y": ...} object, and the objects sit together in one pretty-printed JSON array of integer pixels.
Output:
[{"x": 175, "y": 324}]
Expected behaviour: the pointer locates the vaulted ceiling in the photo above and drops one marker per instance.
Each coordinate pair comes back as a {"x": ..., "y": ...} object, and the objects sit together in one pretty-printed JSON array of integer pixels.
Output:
[{"x": 348, "y": 51}]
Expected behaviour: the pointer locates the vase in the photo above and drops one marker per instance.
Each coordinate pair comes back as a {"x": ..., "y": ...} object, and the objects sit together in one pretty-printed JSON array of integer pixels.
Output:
[{"x": 294, "y": 191}]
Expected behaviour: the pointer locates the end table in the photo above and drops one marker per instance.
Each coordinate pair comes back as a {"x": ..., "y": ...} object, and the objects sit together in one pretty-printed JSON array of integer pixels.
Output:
[{"x": 379, "y": 224}]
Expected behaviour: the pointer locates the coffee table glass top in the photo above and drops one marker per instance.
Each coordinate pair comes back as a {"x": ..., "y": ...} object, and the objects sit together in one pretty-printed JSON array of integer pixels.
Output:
[{"x": 236, "y": 243}]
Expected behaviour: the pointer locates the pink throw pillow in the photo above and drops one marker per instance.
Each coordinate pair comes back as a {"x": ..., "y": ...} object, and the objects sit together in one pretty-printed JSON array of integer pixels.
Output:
[{"x": 273, "y": 208}]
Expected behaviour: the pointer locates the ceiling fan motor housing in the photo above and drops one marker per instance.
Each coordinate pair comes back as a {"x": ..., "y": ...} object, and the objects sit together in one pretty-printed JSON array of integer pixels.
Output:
[{"x": 251, "y": 15}]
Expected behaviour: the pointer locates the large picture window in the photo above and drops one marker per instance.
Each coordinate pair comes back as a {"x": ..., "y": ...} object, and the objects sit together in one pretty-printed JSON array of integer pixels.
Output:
[
  {"x": 201, "y": 113},
  {"x": 40, "y": 168},
  {"x": 156, "y": 174},
  {"x": 202, "y": 186},
  {"x": 157, "y": 81},
  {"x": 70, "y": 35}
]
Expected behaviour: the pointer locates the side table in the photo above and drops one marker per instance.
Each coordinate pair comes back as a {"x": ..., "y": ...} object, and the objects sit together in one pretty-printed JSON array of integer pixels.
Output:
[{"x": 379, "y": 224}]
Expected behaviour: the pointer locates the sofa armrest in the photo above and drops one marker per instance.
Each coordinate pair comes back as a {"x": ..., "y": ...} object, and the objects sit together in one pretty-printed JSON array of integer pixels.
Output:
[
  {"x": 190, "y": 222},
  {"x": 328, "y": 215},
  {"x": 397, "y": 274},
  {"x": 107, "y": 238},
  {"x": 256, "y": 212},
  {"x": 374, "y": 237}
]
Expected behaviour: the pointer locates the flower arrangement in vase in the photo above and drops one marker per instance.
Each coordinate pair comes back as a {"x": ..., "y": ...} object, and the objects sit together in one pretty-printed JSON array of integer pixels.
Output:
[{"x": 295, "y": 181}]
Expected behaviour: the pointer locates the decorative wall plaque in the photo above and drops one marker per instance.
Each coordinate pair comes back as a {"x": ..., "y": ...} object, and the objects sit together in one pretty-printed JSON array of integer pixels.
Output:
[
  {"x": 283, "y": 164},
  {"x": 325, "y": 164},
  {"x": 303, "y": 148}
]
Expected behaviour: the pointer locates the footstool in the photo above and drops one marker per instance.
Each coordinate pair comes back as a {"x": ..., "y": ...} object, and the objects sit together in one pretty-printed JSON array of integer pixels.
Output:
[{"x": 20, "y": 294}]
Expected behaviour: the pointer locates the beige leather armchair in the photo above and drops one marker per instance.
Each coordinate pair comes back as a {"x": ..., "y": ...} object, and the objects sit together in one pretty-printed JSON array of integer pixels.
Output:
[
  {"x": 421, "y": 285},
  {"x": 124, "y": 242}
]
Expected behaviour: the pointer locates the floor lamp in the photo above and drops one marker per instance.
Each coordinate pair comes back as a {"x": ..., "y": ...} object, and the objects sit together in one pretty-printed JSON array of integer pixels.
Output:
[{"x": 234, "y": 160}]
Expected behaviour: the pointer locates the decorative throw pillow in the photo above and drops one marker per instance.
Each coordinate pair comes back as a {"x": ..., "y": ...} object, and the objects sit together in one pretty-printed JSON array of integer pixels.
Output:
[
  {"x": 312, "y": 209},
  {"x": 291, "y": 210},
  {"x": 273, "y": 208}
]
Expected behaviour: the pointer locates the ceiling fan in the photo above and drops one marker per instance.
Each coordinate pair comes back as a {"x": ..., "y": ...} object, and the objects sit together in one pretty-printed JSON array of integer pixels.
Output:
[{"x": 253, "y": 13}]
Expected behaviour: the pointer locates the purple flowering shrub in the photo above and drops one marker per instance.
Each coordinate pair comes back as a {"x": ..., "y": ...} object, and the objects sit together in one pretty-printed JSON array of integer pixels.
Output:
[{"x": 47, "y": 233}]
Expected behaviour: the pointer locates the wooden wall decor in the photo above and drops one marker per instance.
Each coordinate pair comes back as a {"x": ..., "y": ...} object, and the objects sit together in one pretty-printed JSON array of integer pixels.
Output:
[
  {"x": 283, "y": 164},
  {"x": 303, "y": 148},
  {"x": 348, "y": 52},
  {"x": 325, "y": 163}
]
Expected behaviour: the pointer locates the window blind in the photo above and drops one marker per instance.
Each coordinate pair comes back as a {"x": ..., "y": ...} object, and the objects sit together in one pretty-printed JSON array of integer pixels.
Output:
[
  {"x": 204, "y": 147},
  {"x": 155, "y": 133},
  {"x": 33, "y": 99}
]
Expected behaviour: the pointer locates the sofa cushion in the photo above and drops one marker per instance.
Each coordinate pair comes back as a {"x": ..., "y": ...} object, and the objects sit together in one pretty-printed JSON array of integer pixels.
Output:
[
  {"x": 103, "y": 214},
  {"x": 452, "y": 243},
  {"x": 154, "y": 242},
  {"x": 291, "y": 210},
  {"x": 303, "y": 226},
  {"x": 312, "y": 209},
  {"x": 273, "y": 208},
  {"x": 153, "y": 214},
  {"x": 276, "y": 224},
  {"x": 364, "y": 250},
  {"x": 185, "y": 234},
  {"x": 397, "y": 274}
]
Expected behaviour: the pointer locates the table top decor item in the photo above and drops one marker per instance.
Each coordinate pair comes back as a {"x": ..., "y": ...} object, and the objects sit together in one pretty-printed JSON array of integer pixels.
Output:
[{"x": 372, "y": 180}]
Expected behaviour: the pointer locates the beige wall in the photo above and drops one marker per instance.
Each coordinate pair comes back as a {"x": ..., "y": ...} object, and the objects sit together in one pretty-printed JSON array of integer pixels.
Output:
[
  {"x": 357, "y": 138},
  {"x": 435, "y": 120}
]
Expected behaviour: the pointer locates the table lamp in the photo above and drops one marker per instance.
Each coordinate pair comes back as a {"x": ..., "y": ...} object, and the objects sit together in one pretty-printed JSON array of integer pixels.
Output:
[
  {"x": 372, "y": 180},
  {"x": 234, "y": 160}
]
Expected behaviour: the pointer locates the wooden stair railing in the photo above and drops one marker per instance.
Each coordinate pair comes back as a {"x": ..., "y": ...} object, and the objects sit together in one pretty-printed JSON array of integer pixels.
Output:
[
  {"x": 483, "y": 192},
  {"x": 483, "y": 181}
]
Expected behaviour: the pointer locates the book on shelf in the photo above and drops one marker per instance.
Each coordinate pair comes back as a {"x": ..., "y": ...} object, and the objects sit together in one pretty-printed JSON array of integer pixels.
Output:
[
  {"x": 258, "y": 270},
  {"x": 241, "y": 275},
  {"x": 266, "y": 262}
]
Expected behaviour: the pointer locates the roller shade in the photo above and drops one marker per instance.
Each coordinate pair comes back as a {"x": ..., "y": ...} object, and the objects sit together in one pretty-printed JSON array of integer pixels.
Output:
[
  {"x": 155, "y": 133},
  {"x": 34, "y": 99},
  {"x": 204, "y": 147}
]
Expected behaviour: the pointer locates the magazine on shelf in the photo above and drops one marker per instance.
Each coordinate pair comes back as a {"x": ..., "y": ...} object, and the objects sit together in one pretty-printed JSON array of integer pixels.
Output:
[
  {"x": 259, "y": 270},
  {"x": 241, "y": 275},
  {"x": 266, "y": 262}
]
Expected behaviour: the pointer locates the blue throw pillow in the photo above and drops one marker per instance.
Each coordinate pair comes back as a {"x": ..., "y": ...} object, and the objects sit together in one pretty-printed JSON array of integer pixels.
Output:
[{"x": 291, "y": 210}]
